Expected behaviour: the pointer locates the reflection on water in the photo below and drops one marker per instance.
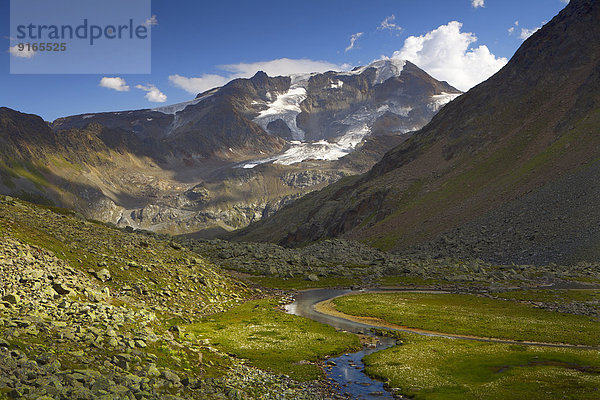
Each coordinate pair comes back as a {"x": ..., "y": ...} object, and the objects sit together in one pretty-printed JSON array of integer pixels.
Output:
[{"x": 347, "y": 372}]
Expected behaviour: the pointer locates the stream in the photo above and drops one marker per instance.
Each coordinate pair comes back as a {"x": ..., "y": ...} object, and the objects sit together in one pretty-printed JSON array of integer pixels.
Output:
[{"x": 346, "y": 371}]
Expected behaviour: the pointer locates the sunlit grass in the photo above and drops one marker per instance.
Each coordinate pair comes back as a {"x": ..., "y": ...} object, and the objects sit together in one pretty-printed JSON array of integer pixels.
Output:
[
  {"x": 473, "y": 315},
  {"x": 554, "y": 296},
  {"x": 273, "y": 340},
  {"x": 438, "y": 368}
]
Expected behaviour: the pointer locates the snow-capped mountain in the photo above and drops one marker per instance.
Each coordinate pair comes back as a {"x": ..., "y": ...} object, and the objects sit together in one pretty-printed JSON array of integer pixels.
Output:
[
  {"x": 325, "y": 116},
  {"x": 232, "y": 155},
  {"x": 287, "y": 119}
]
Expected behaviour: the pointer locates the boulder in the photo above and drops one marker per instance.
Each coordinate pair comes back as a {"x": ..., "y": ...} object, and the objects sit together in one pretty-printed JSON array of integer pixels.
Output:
[
  {"x": 103, "y": 275},
  {"x": 12, "y": 298}
]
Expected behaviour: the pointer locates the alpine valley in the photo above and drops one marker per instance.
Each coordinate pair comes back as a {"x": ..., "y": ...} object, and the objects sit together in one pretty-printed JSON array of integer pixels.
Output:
[
  {"x": 506, "y": 172},
  {"x": 371, "y": 233}
]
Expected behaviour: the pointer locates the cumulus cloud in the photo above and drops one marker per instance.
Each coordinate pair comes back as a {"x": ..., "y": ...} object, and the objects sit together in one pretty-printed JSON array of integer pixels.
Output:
[
  {"x": 446, "y": 54},
  {"x": 525, "y": 32},
  {"x": 353, "y": 40},
  {"x": 25, "y": 53},
  {"x": 153, "y": 94},
  {"x": 477, "y": 3},
  {"x": 282, "y": 66},
  {"x": 115, "y": 83},
  {"x": 388, "y": 24}
]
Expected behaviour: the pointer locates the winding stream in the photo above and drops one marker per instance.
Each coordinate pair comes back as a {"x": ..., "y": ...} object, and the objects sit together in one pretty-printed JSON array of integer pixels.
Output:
[{"x": 347, "y": 371}]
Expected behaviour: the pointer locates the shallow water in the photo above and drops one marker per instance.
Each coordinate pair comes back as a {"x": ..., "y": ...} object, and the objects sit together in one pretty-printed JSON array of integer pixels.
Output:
[{"x": 346, "y": 371}]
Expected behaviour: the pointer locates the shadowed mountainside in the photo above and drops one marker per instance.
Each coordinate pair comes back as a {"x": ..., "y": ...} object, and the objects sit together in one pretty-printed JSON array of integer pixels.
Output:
[{"x": 512, "y": 160}]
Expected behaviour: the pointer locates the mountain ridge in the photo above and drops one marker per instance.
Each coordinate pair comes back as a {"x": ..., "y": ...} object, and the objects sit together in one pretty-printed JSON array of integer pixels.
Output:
[{"x": 231, "y": 156}]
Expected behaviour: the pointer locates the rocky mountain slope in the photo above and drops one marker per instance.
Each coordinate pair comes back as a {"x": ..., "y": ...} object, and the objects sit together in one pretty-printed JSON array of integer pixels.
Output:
[
  {"x": 505, "y": 172},
  {"x": 89, "y": 311},
  {"x": 231, "y": 156}
]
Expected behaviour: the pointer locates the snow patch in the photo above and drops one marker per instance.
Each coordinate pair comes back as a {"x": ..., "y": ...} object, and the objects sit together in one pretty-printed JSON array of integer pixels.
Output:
[
  {"x": 384, "y": 69},
  {"x": 286, "y": 107},
  {"x": 320, "y": 150},
  {"x": 440, "y": 100},
  {"x": 175, "y": 108}
]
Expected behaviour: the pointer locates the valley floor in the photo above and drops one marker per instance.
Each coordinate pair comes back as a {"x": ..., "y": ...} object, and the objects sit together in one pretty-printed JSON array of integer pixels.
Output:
[{"x": 88, "y": 311}]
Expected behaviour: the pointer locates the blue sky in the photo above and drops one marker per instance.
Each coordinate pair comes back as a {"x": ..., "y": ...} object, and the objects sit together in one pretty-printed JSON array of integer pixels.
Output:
[{"x": 198, "y": 44}]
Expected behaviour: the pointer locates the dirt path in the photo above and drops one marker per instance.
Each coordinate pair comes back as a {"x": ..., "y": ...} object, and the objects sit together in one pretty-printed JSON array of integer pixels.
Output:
[{"x": 328, "y": 308}]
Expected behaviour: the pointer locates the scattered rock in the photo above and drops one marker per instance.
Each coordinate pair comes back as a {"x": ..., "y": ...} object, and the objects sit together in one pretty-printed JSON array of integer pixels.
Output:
[
  {"x": 12, "y": 298},
  {"x": 103, "y": 275}
]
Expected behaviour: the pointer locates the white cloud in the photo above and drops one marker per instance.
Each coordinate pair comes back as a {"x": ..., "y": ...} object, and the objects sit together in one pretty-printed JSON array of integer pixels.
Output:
[
  {"x": 282, "y": 66},
  {"x": 153, "y": 94},
  {"x": 353, "y": 40},
  {"x": 151, "y": 21},
  {"x": 116, "y": 83},
  {"x": 25, "y": 53},
  {"x": 564, "y": 1},
  {"x": 477, "y": 3},
  {"x": 198, "y": 85},
  {"x": 445, "y": 53},
  {"x": 388, "y": 24},
  {"x": 526, "y": 33},
  {"x": 512, "y": 29}
]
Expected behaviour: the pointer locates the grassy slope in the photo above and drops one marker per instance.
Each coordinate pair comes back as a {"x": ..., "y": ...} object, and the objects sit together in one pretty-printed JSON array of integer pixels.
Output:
[
  {"x": 130, "y": 258},
  {"x": 471, "y": 315}
]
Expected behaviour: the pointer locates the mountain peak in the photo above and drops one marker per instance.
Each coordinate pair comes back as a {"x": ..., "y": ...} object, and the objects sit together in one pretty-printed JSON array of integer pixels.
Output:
[
  {"x": 260, "y": 76},
  {"x": 385, "y": 69}
]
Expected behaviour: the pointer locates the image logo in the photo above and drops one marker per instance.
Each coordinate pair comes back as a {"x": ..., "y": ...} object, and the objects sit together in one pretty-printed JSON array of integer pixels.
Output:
[{"x": 80, "y": 36}]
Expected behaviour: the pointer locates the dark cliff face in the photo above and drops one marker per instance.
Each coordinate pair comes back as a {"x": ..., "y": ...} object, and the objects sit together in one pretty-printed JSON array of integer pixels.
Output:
[{"x": 526, "y": 128}]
